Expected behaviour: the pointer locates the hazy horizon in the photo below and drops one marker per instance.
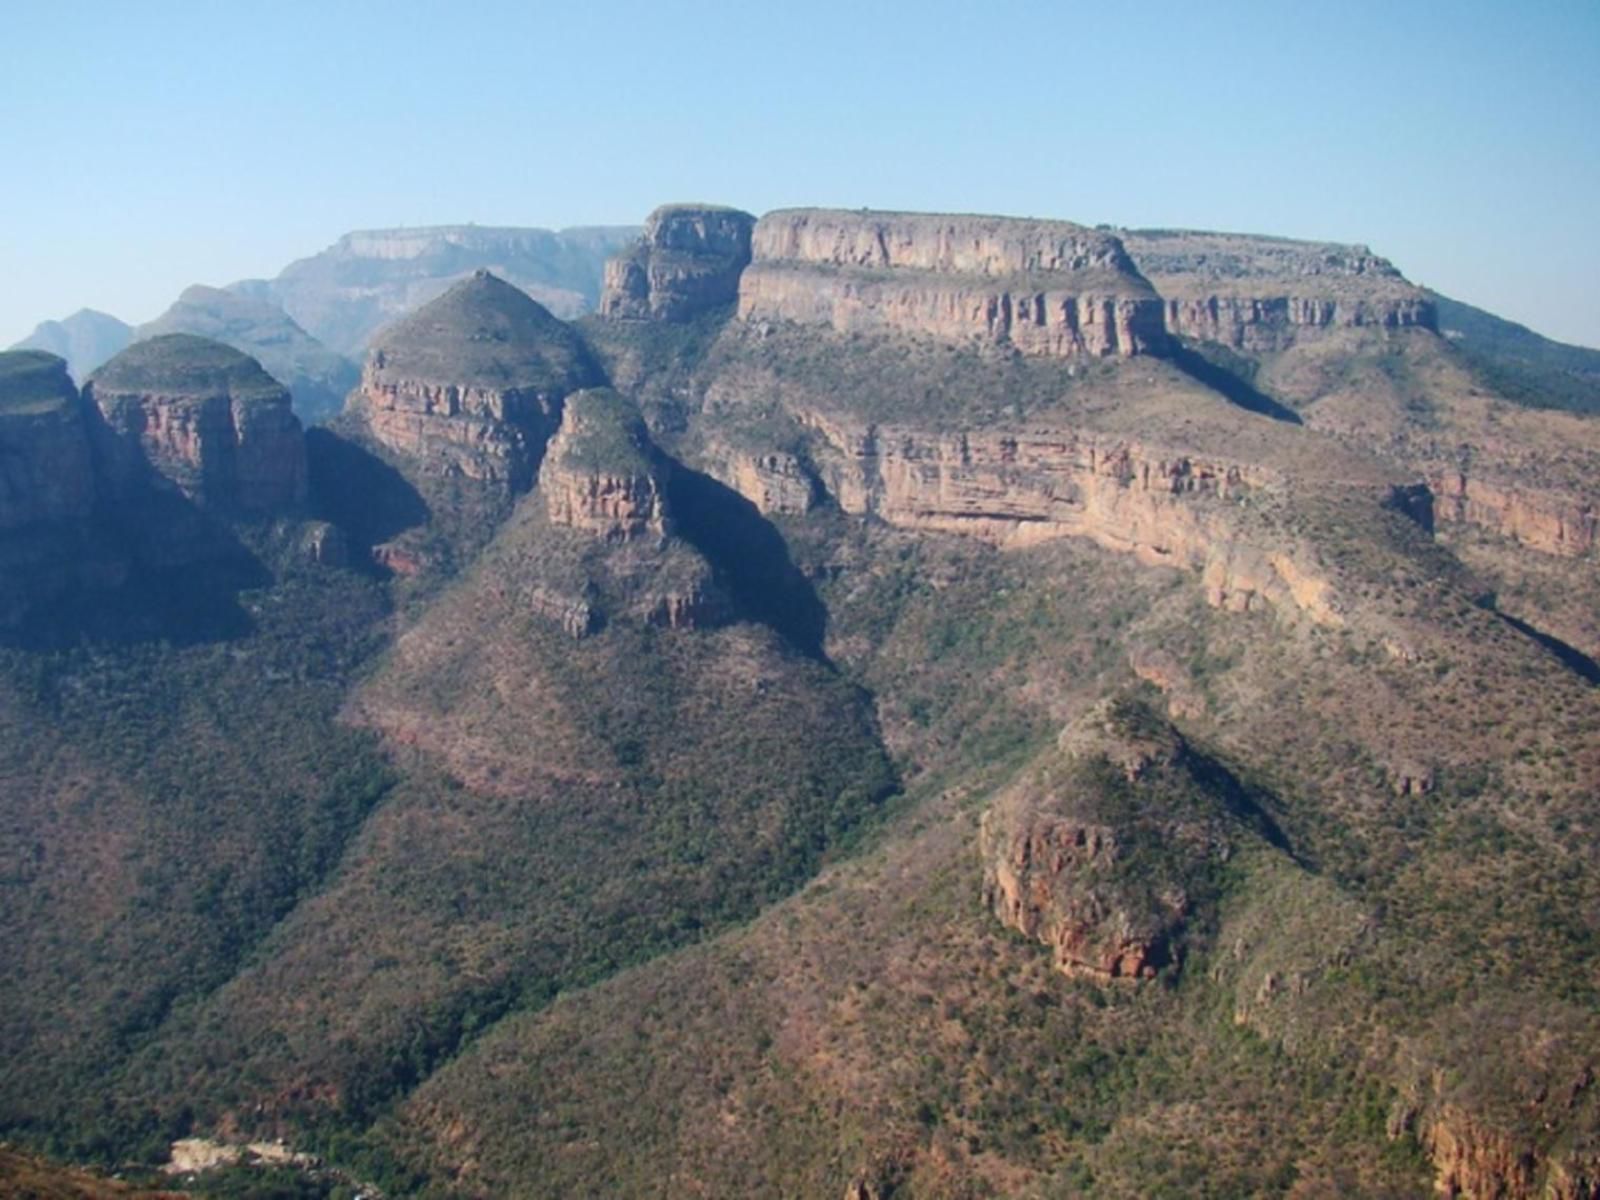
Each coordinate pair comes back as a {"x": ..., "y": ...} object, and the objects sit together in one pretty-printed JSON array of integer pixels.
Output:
[{"x": 173, "y": 145}]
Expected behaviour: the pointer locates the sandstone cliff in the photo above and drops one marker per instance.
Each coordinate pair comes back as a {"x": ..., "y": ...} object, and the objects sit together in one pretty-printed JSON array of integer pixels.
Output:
[
  {"x": 601, "y": 474},
  {"x": 199, "y": 417},
  {"x": 45, "y": 473},
  {"x": 471, "y": 385},
  {"x": 688, "y": 260},
  {"x": 1041, "y": 287},
  {"x": 1260, "y": 294},
  {"x": 1020, "y": 486}
]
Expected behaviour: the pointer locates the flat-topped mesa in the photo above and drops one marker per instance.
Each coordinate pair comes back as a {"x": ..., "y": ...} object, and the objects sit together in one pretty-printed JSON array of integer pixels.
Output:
[
  {"x": 688, "y": 261},
  {"x": 190, "y": 414},
  {"x": 601, "y": 474},
  {"x": 1263, "y": 294},
  {"x": 1042, "y": 287},
  {"x": 472, "y": 383},
  {"x": 45, "y": 470}
]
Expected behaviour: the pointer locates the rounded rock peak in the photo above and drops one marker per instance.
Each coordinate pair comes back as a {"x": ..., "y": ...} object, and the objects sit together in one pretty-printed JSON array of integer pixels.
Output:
[
  {"x": 184, "y": 364},
  {"x": 483, "y": 332},
  {"x": 33, "y": 382}
]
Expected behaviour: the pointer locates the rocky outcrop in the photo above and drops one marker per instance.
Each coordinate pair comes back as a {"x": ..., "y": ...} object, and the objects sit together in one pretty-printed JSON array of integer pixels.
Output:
[
  {"x": 1040, "y": 287},
  {"x": 1023, "y": 486},
  {"x": 777, "y": 482},
  {"x": 1062, "y": 853},
  {"x": 318, "y": 379},
  {"x": 1261, "y": 294},
  {"x": 47, "y": 489},
  {"x": 45, "y": 472},
  {"x": 601, "y": 475},
  {"x": 471, "y": 386},
  {"x": 688, "y": 261},
  {"x": 1554, "y": 522},
  {"x": 184, "y": 413}
]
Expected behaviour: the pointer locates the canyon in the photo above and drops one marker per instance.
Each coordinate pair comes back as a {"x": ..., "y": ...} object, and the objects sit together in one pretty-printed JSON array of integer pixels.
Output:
[{"x": 893, "y": 704}]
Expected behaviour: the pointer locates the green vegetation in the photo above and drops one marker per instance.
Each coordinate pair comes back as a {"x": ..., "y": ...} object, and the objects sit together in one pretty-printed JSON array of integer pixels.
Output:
[
  {"x": 604, "y": 433},
  {"x": 188, "y": 364},
  {"x": 1519, "y": 364},
  {"x": 32, "y": 381}
]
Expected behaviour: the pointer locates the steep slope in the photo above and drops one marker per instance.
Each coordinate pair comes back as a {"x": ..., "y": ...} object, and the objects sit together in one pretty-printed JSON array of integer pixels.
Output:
[
  {"x": 1346, "y": 916},
  {"x": 688, "y": 259},
  {"x": 85, "y": 339},
  {"x": 318, "y": 379},
  {"x": 576, "y": 795},
  {"x": 1513, "y": 488},
  {"x": 196, "y": 416},
  {"x": 1259, "y": 294},
  {"x": 49, "y": 545},
  {"x": 1044, "y": 287},
  {"x": 1518, "y": 363},
  {"x": 1321, "y": 935},
  {"x": 881, "y": 745},
  {"x": 458, "y": 401},
  {"x": 369, "y": 278}
]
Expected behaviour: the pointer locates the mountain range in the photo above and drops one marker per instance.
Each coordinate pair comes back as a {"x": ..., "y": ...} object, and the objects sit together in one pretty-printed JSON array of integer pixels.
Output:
[{"x": 883, "y": 705}]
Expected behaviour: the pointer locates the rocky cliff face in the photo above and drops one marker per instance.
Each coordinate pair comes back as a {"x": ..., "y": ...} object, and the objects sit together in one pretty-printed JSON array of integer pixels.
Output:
[
  {"x": 1548, "y": 520},
  {"x": 183, "y": 412},
  {"x": 318, "y": 379},
  {"x": 1260, "y": 294},
  {"x": 1042, "y": 287},
  {"x": 47, "y": 488},
  {"x": 601, "y": 475},
  {"x": 688, "y": 260},
  {"x": 45, "y": 473},
  {"x": 1016, "y": 487},
  {"x": 472, "y": 384}
]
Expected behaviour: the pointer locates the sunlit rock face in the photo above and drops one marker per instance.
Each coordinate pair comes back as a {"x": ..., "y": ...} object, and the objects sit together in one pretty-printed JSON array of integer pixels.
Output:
[
  {"x": 1041, "y": 287},
  {"x": 471, "y": 384},
  {"x": 688, "y": 261},
  {"x": 185, "y": 413}
]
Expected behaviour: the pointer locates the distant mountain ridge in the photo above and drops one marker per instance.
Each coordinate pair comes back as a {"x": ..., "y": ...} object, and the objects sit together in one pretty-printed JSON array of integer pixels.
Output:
[
  {"x": 1520, "y": 364},
  {"x": 368, "y": 278},
  {"x": 85, "y": 339}
]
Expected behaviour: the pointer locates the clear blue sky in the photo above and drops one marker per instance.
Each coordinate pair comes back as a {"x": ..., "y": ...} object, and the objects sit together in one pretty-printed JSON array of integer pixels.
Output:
[{"x": 153, "y": 145}]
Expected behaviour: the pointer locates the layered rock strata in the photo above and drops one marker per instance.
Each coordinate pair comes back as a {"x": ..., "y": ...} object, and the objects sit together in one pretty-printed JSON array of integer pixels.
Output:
[
  {"x": 181, "y": 412},
  {"x": 601, "y": 475},
  {"x": 688, "y": 261},
  {"x": 471, "y": 385},
  {"x": 1023, "y": 486},
  {"x": 1040, "y": 287},
  {"x": 1551, "y": 521},
  {"x": 1261, "y": 294}
]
